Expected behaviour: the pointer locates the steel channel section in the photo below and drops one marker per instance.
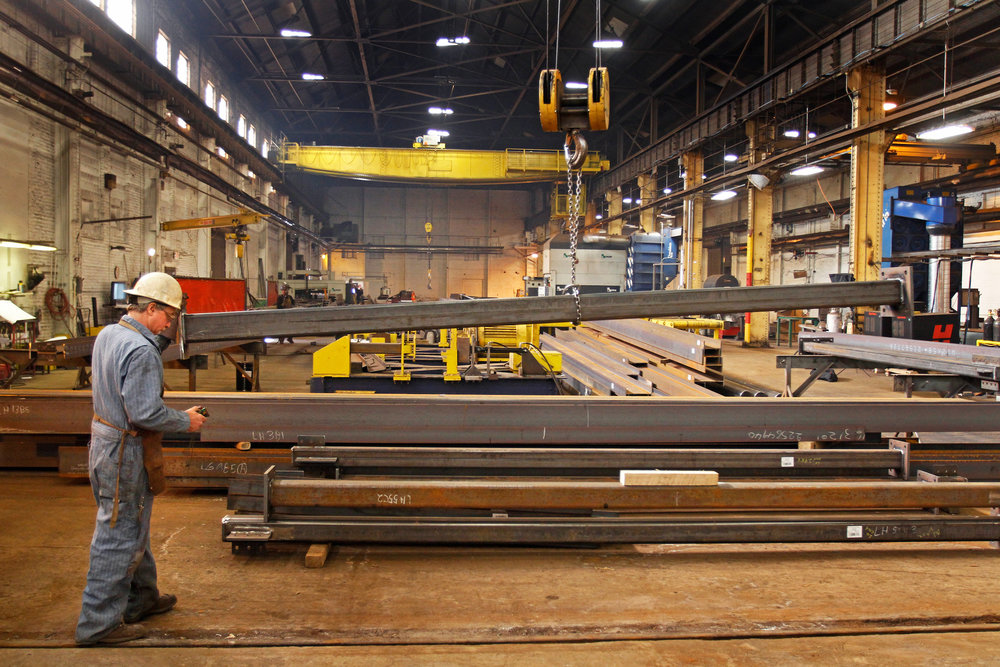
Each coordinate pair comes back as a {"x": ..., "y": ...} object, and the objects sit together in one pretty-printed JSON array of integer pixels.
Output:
[
  {"x": 472, "y": 421},
  {"x": 970, "y": 355},
  {"x": 576, "y": 495},
  {"x": 335, "y": 321},
  {"x": 607, "y": 531},
  {"x": 899, "y": 359},
  {"x": 786, "y": 460}
]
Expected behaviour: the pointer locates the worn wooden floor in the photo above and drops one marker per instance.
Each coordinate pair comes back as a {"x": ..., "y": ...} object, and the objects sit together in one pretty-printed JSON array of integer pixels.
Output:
[{"x": 931, "y": 603}]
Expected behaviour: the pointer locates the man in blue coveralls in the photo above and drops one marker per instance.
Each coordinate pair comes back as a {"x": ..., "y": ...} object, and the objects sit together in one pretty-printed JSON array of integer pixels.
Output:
[{"x": 127, "y": 384}]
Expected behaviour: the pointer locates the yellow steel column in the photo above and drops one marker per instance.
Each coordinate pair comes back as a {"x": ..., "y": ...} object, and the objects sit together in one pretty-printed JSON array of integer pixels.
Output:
[
  {"x": 867, "y": 88},
  {"x": 759, "y": 223},
  {"x": 694, "y": 220},
  {"x": 647, "y": 193},
  {"x": 614, "y": 199}
]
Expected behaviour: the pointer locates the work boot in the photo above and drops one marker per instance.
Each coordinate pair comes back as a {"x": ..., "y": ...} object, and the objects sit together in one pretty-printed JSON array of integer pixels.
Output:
[
  {"x": 125, "y": 632},
  {"x": 163, "y": 604}
]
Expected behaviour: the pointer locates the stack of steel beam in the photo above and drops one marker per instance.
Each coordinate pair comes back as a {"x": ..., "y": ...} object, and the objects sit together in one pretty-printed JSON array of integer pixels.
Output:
[
  {"x": 290, "y": 506},
  {"x": 637, "y": 357}
]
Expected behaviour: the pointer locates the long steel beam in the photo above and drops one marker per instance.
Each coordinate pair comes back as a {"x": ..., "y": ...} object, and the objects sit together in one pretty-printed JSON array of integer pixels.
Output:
[
  {"x": 966, "y": 360},
  {"x": 612, "y": 496},
  {"x": 541, "y": 420},
  {"x": 335, "y": 321},
  {"x": 251, "y": 531},
  {"x": 563, "y": 460}
]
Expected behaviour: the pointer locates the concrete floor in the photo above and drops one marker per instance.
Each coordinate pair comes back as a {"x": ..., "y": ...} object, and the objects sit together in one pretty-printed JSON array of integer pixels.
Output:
[{"x": 929, "y": 603}]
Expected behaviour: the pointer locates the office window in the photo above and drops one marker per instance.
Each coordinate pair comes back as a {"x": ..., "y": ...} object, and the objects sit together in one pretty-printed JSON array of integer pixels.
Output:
[
  {"x": 223, "y": 108},
  {"x": 210, "y": 94},
  {"x": 252, "y": 135},
  {"x": 241, "y": 126},
  {"x": 162, "y": 49},
  {"x": 122, "y": 13},
  {"x": 183, "y": 69}
]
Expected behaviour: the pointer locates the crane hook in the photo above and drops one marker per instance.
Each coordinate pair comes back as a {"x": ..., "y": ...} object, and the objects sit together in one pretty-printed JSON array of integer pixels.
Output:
[{"x": 578, "y": 145}]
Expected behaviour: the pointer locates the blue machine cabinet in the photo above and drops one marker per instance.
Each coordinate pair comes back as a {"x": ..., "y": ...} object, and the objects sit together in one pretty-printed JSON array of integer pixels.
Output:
[
  {"x": 909, "y": 217},
  {"x": 651, "y": 261}
]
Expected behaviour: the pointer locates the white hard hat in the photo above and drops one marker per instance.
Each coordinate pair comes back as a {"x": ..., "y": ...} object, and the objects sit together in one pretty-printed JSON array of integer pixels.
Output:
[{"x": 161, "y": 287}]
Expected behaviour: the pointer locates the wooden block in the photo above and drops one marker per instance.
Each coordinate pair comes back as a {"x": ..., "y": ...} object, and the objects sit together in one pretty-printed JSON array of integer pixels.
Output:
[
  {"x": 810, "y": 444},
  {"x": 669, "y": 478},
  {"x": 316, "y": 556}
]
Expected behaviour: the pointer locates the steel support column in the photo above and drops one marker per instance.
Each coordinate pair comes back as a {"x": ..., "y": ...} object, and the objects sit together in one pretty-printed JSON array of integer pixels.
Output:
[
  {"x": 867, "y": 89},
  {"x": 760, "y": 218},
  {"x": 694, "y": 221},
  {"x": 614, "y": 199},
  {"x": 647, "y": 193}
]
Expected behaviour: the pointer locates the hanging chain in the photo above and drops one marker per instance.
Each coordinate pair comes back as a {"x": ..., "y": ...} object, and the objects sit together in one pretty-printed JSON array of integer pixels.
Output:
[{"x": 574, "y": 178}]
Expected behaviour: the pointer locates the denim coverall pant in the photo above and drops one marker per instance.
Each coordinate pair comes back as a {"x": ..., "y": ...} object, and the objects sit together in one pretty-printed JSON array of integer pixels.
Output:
[{"x": 122, "y": 577}]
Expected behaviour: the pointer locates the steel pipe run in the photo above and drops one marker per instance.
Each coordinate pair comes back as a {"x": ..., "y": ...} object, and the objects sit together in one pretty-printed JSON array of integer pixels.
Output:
[
  {"x": 492, "y": 421},
  {"x": 576, "y": 495},
  {"x": 204, "y": 327}
]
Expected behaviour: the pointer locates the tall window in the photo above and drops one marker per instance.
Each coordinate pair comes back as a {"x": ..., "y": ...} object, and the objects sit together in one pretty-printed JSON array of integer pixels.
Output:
[
  {"x": 241, "y": 126},
  {"x": 264, "y": 148},
  {"x": 223, "y": 108},
  {"x": 183, "y": 69},
  {"x": 122, "y": 13},
  {"x": 210, "y": 94},
  {"x": 163, "y": 49},
  {"x": 252, "y": 135}
]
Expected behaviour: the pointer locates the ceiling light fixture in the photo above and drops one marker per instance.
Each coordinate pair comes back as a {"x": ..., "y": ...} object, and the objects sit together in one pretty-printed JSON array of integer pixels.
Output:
[
  {"x": 627, "y": 200},
  {"x": 27, "y": 245},
  {"x": 598, "y": 217},
  {"x": 575, "y": 85},
  {"x": 438, "y": 133},
  {"x": 730, "y": 157},
  {"x": 608, "y": 44},
  {"x": 807, "y": 170},
  {"x": 309, "y": 76},
  {"x": 945, "y": 132},
  {"x": 440, "y": 111},
  {"x": 452, "y": 41},
  {"x": 289, "y": 32},
  {"x": 723, "y": 195},
  {"x": 891, "y": 99},
  {"x": 792, "y": 134},
  {"x": 667, "y": 191}
]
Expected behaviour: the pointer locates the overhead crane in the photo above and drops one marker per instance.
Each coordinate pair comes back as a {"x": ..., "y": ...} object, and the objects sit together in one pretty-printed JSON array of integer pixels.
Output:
[
  {"x": 428, "y": 165},
  {"x": 236, "y": 222}
]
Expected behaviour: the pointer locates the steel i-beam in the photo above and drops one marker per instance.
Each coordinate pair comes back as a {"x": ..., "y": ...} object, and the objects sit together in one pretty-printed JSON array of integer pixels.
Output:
[
  {"x": 542, "y": 420},
  {"x": 337, "y": 321}
]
